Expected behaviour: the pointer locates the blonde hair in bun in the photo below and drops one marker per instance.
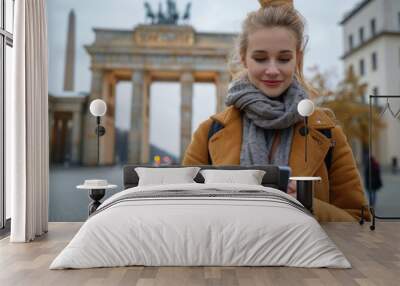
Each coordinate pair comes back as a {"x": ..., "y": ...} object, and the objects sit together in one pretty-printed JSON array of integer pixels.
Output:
[{"x": 275, "y": 3}]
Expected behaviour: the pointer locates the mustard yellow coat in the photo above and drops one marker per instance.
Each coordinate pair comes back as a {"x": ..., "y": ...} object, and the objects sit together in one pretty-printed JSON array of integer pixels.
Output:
[{"x": 338, "y": 197}]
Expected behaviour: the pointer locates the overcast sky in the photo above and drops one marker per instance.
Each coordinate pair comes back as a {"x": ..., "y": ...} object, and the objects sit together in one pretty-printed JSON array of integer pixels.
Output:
[{"x": 324, "y": 49}]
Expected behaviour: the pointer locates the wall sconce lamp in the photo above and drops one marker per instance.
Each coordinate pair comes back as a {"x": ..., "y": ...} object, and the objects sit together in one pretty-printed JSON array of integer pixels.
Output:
[
  {"x": 98, "y": 108},
  {"x": 305, "y": 185}
]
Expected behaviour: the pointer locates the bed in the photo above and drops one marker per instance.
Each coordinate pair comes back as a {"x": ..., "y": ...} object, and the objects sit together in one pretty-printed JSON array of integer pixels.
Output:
[{"x": 202, "y": 224}]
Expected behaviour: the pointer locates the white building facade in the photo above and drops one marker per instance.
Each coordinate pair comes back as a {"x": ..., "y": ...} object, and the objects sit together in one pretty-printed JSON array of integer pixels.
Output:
[{"x": 371, "y": 32}]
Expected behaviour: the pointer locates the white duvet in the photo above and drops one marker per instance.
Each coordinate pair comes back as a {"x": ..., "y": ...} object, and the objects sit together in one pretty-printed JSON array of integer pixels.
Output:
[{"x": 200, "y": 231}]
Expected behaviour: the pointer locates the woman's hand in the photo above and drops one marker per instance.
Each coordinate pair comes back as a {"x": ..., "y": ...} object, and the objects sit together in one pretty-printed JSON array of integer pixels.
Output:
[{"x": 292, "y": 189}]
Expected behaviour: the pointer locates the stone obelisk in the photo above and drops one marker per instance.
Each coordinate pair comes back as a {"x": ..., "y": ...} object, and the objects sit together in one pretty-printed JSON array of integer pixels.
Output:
[{"x": 70, "y": 54}]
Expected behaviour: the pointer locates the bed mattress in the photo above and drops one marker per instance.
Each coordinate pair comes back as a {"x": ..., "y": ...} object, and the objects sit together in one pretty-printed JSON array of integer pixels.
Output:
[{"x": 201, "y": 225}]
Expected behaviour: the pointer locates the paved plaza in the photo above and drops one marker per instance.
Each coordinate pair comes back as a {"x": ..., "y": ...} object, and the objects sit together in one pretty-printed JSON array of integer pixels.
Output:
[{"x": 388, "y": 197}]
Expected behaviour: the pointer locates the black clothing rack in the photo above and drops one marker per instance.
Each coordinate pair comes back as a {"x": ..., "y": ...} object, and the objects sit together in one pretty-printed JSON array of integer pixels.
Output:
[{"x": 395, "y": 115}]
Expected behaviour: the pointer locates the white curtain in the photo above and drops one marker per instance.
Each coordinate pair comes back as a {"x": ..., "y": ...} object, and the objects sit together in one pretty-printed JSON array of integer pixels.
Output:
[{"x": 27, "y": 124}]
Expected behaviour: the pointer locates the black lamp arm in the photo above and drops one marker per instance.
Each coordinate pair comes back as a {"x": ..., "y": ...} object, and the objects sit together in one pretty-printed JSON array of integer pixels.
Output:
[
  {"x": 100, "y": 130},
  {"x": 306, "y": 137}
]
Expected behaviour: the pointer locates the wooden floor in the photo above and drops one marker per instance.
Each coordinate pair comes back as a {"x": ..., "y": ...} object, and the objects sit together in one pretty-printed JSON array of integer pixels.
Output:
[{"x": 375, "y": 256}]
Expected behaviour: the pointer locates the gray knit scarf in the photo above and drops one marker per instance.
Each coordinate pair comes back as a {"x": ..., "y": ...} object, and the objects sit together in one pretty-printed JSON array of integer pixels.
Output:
[{"x": 263, "y": 116}]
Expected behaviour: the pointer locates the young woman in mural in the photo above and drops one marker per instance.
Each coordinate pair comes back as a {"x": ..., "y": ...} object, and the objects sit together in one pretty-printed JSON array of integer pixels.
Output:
[{"x": 261, "y": 124}]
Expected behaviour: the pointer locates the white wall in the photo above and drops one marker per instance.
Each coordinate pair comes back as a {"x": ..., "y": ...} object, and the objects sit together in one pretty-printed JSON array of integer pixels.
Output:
[
  {"x": 372, "y": 78},
  {"x": 385, "y": 13},
  {"x": 386, "y": 77},
  {"x": 374, "y": 10}
]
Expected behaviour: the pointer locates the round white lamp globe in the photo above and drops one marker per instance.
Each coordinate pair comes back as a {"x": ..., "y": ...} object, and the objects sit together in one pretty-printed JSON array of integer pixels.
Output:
[
  {"x": 98, "y": 107},
  {"x": 305, "y": 107}
]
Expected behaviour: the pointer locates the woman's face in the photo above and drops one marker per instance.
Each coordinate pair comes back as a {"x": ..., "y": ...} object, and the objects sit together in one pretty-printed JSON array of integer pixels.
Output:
[{"x": 271, "y": 59}]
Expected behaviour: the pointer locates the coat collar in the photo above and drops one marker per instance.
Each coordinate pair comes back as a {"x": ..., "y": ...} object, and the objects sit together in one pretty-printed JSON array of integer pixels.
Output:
[
  {"x": 228, "y": 141},
  {"x": 227, "y": 116}
]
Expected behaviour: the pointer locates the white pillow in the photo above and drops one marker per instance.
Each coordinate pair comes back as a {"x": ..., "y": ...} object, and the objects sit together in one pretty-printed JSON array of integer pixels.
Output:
[
  {"x": 248, "y": 177},
  {"x": 165, "y": 176}
]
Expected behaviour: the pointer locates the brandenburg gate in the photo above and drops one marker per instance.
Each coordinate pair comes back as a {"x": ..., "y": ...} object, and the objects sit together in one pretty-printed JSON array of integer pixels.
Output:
[{"x": 153, "y": 52}]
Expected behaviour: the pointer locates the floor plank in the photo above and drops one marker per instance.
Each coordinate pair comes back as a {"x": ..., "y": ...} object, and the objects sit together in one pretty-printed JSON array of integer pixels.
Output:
[{"x": 374, "y": 255}]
